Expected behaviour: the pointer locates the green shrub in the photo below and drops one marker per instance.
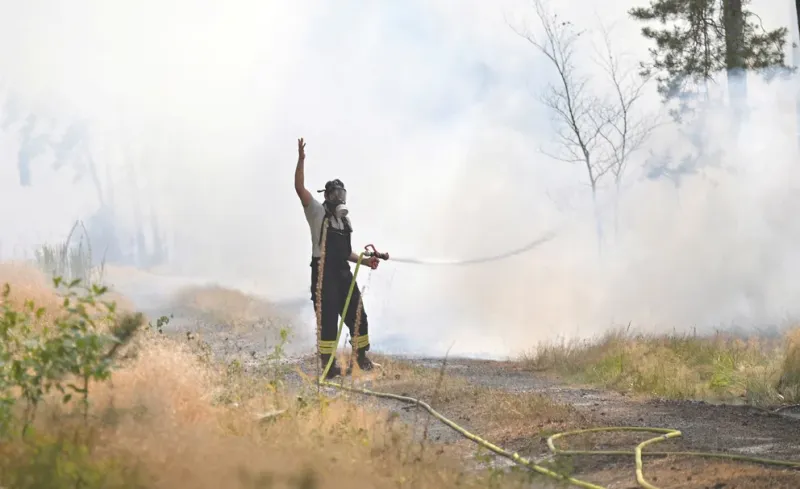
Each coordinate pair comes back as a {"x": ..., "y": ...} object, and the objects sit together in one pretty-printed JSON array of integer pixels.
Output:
[
  {"x": 38, "y": 359},
  {"x": 48, "y": 462}
]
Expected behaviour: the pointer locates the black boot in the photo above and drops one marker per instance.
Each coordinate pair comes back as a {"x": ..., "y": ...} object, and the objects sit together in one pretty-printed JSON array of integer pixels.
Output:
[
  {"x": 364, "y": 363},
  {"x": 334, "y": 371}
]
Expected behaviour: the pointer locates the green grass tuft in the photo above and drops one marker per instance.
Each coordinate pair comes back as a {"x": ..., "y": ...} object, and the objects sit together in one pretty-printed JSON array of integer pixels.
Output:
[{"x": 720, "y": 367}]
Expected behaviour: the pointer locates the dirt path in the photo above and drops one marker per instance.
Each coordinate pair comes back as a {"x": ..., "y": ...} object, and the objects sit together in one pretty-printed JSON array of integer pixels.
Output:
[
  {"x": 737, "y": 430},
  {"x": 705, "y": 427}
]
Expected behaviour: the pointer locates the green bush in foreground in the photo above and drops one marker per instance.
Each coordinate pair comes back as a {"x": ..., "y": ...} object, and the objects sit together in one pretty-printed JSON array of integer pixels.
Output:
[
  {"x": 44, "y": 362},
  {"x": 48, "y": 462}
]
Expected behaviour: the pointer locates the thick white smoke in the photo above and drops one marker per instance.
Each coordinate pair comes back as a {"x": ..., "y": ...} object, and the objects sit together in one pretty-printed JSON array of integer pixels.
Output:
[{"x": 428, "y": 112}]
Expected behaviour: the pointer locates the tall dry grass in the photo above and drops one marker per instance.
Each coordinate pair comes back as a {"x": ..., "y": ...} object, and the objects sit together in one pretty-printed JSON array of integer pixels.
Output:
[
  {"x": 789, "y": 382},
  {"x": 71, "y": 259},
  {"x": 31, "y": 283},
  {"x": 725, "y": 367},
  {"x": 160, "y": 422}
]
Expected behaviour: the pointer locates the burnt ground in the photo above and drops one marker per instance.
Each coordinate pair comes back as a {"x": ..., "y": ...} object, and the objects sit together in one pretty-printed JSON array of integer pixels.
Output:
[
  {"x": 740, "y": 430},
  {"x": 705, "y": 427}
]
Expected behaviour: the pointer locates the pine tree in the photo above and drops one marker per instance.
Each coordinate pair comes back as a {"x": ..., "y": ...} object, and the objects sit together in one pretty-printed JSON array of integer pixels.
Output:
[{"x": 700, "y": 38}]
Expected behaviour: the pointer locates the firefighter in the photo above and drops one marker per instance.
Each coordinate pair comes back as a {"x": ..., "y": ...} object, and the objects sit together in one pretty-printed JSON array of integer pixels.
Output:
[{"x": 336, "y": 275}]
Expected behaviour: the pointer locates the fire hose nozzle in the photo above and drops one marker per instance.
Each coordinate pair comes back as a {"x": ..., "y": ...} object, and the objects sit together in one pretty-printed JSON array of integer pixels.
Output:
[{"x": 370, "y": 250}]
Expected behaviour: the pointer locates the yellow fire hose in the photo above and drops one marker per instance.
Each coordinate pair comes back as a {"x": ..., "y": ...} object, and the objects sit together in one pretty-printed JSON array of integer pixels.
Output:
[{"x": 664, "y": 433}]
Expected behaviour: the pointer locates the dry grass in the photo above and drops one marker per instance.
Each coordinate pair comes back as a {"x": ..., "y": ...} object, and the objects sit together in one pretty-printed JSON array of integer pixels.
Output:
[
  {"x": 516, "y": 420},
  {"x": 168, "y": 419},
  {"x": 29, "y": 283},
  {"x": 158, "y": 420},
  {"x": 71, "y": 259},
  {"x": 221, "y": 306},
  {"x": 719, "y": 367},
  {"x": 789, "y": 382}
]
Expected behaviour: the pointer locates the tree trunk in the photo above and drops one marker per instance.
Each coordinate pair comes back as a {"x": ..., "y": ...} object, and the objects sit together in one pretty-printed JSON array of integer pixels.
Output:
[
  {"x": 30, "y": 147},
  {"x": 617, "y": 190},
  {"x": 95, "y": 177},
  {"x": 138, "y": 222},
  {"x": 593, "y": 183},
  {"x": 598, "y": 222},
  {"x": 733, "y": 19},
  {"x": 797, "y": 11},
  {"x": 796, "y": 62},
  {"x": 158, "y": 254}
]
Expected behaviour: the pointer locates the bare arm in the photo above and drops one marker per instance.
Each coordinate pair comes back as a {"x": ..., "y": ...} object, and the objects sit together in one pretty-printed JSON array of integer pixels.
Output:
[{"x": 299, "y": 174}]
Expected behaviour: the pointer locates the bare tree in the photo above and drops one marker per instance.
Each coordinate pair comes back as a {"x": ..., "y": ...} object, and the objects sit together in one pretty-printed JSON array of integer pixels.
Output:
[
  {"x": 598, "y": 132},
  {"x": 576, "y": 112},
  {"x": 624, "y": 130}
]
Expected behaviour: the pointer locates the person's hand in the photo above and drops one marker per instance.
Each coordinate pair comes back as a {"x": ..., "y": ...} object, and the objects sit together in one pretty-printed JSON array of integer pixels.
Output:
[
  {"x": 301, "y": 149},
  {"x": 373, "y": 262}
]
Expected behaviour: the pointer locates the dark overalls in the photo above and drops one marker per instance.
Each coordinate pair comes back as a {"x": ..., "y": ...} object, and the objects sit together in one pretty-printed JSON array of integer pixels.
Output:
[{"x": 335, "y": 285}]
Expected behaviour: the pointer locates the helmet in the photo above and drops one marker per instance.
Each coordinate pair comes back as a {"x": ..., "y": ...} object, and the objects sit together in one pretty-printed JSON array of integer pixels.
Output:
[{"x": 335, "y": 191}]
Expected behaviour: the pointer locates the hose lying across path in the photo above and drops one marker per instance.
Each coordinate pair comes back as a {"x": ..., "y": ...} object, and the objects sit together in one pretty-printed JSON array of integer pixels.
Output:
[
  {"x": 638, "y": 453},
  {"x": 665, "y": 434}
]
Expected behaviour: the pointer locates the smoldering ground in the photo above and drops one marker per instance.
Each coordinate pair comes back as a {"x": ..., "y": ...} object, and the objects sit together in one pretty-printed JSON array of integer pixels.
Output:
[{"x": 429, "y": 114}]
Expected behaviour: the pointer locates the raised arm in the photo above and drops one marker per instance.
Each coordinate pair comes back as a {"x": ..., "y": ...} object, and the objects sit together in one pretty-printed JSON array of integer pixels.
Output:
[{"x": 299, "y": 175}]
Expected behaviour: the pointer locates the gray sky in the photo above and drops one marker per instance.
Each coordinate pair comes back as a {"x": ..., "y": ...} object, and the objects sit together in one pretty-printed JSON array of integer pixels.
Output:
[{"x": 427, "y": 110}]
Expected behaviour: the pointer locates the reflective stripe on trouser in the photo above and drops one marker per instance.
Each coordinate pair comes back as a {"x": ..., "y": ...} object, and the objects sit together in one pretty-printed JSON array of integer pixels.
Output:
[
  {"x": 327, "y": 347},
  {"x": 361, "y": 342}
]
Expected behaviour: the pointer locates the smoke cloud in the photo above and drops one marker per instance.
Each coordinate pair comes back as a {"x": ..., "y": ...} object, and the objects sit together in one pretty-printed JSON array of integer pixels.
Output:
[{"x": 428, "y": 111}]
